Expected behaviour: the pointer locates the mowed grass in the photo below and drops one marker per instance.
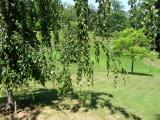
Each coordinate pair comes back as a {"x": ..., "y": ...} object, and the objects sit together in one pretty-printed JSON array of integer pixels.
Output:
[
  {"x": 139, "y": 98},
  {"x": 140, "y": 95}
]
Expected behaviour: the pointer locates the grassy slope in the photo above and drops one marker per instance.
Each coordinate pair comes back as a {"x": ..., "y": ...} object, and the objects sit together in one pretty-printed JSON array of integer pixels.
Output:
[{"x": 140, "y": 95}]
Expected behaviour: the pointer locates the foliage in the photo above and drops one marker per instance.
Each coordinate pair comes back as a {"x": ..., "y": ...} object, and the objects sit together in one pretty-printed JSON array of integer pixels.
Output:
[
  {"x": 108, "y": 18},
  {"x": 118, "y": 21},
  {"x": 85, "y": 65},
  {"x": 136, "y": 14},
  {"x": 150, "y": 21},
  {"x": 21, "y": 59},
  {"x": 56, "y": 20},
  {"x": 157, "y": 39},
  {"x": 19, "y": 56},
  {"x": 145, "y": 14},
  {"x": 133, "y": 12},
  {"x": 43, "y": 10},
  {"x": 132, "y": 43},
  {"x": 103, "y": 13}
]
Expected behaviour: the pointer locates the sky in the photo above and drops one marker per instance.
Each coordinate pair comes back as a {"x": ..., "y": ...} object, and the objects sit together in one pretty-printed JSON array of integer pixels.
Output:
[{"x": 124, "y": 3}]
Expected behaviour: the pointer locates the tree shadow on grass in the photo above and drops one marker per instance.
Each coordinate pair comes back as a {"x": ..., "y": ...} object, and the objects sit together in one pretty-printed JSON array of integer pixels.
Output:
[
  {"x": 104, "y": 100},
  {"x": 140, "y": 74},
  {"x": 157, "y": 117},
  {"x": 88, "y": 100},
  {"x": 40, "y": 97}
]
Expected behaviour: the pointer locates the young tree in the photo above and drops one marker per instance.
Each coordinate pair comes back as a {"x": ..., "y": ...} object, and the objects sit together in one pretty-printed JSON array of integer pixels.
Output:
[{"x": 132, "y": 43}]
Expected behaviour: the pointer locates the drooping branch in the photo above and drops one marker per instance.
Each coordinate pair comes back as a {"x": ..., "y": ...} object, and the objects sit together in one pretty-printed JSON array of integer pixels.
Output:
[{"x": 84, "y": 61}]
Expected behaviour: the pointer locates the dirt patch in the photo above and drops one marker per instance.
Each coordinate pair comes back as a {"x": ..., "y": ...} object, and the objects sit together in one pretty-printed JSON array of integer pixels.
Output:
[
  {"x": 49, "y": 114},
  {"x": 28, "y": 113},
  {"x": 155, "y": 63}
]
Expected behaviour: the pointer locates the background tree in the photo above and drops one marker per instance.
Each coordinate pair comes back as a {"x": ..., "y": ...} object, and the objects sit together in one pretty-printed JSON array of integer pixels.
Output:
[
  {"x": 133, "y": 8},
  {"x": 119, "y": 19},
  {"x": 116, "y": 5}
]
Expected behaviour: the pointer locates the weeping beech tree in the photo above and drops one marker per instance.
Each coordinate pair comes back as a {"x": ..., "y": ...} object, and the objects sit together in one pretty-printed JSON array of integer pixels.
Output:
[
  {"x": 102, "y": 29},
  {"x": 23, "y": 57}
]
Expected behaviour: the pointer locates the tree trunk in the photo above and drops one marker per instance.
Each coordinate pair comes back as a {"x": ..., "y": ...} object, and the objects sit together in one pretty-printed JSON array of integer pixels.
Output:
[
  {"x": 9, "y": 101},
  {"x": 132, "y": 66}
]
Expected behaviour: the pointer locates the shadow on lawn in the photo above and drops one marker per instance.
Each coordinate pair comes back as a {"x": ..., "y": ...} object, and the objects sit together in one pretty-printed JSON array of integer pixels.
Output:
[
  {"x": 104, "y": 100},
  {"x": 87, "y": 100},
  {"x": 158, "y": 117},
  {"x": 40, "y": 97},
  {"x": 140, "y": 74}
]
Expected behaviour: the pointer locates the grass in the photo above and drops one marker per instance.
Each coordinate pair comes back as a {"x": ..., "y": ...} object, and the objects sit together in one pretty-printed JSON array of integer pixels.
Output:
[
  {"x": 140, "y": 66},
  {"x": 139, "y": 97}
]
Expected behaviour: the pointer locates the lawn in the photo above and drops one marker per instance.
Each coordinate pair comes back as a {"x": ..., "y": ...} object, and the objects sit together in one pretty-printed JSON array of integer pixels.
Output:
[
  {"x": 140, "y": 95},
  {"x": 138, "y": 99}
]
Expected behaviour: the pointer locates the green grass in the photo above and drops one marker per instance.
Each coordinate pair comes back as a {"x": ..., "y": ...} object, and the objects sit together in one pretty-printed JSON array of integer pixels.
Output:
[
  {"x": 140, "y": 95},
  {"x": 140, "y": 66}
]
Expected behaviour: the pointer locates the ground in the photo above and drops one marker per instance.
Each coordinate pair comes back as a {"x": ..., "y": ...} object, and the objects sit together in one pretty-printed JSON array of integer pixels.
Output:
[{"x": 50, "y": 114}]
